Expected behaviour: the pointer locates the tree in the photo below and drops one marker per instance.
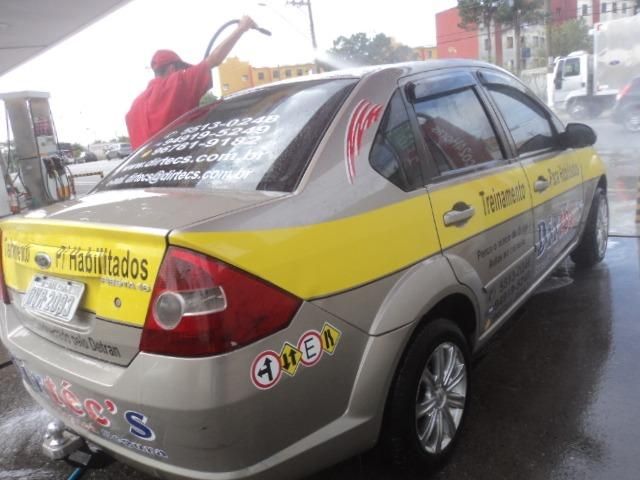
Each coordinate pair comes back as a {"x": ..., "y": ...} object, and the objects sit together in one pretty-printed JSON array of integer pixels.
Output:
[
  {"x": 570, "y": 36},
  {"x": 472, "y": 12},
  {"x": 76, "y": 149},
  {"x": 515, "y": 13},
  {"x": 207, "y": 98},
  {"x": 359, "y": 49}
]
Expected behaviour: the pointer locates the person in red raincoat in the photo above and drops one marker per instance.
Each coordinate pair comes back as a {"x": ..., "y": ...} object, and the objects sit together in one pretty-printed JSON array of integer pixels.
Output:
[{"x": 176, "y": 88}]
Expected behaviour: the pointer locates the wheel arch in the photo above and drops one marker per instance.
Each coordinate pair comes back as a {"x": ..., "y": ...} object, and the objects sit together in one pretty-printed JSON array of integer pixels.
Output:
[{"x": 457, "y": 307}]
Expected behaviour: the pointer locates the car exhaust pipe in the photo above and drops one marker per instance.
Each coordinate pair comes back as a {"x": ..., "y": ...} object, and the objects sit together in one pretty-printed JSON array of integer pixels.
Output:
[{"x": 60, "y": 442}]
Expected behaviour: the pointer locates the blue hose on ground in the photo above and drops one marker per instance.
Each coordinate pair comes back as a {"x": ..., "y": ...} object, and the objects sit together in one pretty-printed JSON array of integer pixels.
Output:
[{"x": 77, "y": 473}]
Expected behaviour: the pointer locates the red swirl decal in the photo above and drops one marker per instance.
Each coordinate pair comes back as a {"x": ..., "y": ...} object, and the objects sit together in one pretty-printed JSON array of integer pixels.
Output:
[{"x": 363, "y": 116}]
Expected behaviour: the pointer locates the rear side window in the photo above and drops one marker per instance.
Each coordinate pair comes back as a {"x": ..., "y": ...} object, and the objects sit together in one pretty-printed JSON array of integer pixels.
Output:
[
  {"x": 394, "y": 154},
  {"x": 260, "y": 140},
  {"x": 457, "y": 130}
]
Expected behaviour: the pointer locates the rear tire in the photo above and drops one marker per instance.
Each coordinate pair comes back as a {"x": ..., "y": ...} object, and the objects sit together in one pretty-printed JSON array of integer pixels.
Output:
[
  {"x": 428, "y": 401},
  {"x": 593, "y": 244}
]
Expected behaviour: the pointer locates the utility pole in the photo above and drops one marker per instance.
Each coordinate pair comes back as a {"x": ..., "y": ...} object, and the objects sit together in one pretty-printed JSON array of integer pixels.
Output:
[
  {"x": 307, "y": 3},
  {"x": 517, "y": 43},
  {"x": 547, "y": 26}
]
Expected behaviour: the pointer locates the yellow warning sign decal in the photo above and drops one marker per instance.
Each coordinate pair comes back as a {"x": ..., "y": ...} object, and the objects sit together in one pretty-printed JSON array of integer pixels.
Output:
[
  {"x": 330, "y": 337},
  {"x": 290, "y": 358}
]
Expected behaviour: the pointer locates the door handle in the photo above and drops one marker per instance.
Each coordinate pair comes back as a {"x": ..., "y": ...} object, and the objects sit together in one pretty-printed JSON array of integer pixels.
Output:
[
  {"x": 461, "y": 213},
  {"x": 541, "y": 184}
]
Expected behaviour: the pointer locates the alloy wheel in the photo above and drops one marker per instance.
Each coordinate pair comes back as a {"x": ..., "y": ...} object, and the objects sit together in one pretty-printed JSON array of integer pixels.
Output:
[
  {"x": 602, "y": 226},
  {"x": 441, "y": 398}
]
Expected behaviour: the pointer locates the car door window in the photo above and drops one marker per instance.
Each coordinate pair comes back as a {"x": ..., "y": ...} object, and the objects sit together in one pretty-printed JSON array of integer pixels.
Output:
[
  {"x": 456, "y": 129},
  {"x": 394, "y": 154},
  {"x": 527, "y": 121}
]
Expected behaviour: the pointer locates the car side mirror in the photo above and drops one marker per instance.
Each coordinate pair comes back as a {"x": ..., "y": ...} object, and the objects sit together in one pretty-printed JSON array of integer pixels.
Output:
[
  {"x": 558, "y": 83},
  {"x": 557, "y": 80},
  {"x": 578, "y": 135}
]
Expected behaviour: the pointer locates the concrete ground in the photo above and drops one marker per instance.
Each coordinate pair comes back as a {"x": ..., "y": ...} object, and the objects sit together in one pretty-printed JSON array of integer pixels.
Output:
[{"x": 555, "y": 397}]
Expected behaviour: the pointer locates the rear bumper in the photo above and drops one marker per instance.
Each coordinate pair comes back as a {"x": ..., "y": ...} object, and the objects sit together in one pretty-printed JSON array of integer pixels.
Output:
[{"x": 204, "y": 418}]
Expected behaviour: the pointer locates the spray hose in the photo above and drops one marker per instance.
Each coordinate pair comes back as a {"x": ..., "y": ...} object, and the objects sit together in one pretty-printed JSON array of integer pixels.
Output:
[{"x": 264, "y": 31}]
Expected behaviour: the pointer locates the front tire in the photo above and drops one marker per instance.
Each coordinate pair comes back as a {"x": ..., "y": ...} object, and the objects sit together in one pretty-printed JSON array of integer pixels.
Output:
[
  {"x": 593, "y": 244},
  {"x": 428, "y": 401},
  {"x": 578, "y": 110}
]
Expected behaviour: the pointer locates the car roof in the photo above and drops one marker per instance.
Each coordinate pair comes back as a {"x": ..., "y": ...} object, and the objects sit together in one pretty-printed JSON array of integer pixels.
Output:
[{"x": 403, "y": 69}]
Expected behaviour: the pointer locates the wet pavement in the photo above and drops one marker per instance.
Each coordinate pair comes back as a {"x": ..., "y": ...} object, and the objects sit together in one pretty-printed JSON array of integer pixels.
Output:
[
  {"x": 4, "y": 355},
  {"x": 555, "y": 397},
  {"x": 619, "y": 150}
]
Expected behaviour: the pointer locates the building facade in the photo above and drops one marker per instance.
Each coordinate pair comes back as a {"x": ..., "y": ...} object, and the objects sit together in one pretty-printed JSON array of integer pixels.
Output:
[
  {"x": 426, "y": 53},
  {"x": 502, "y": 50},
  {"x": 594, "y": 11},
  {"x": 453, "y": 41},
  {"x": 474, "y": 42},
  {"x": 236, "y": 74}
]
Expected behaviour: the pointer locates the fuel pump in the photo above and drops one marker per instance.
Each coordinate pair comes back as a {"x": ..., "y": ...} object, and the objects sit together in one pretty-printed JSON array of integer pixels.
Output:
[{"x": 41, "y": 171}]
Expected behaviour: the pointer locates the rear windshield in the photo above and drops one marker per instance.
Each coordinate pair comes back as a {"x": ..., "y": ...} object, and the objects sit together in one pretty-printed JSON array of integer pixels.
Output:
[{"x": 260, "y": 140}]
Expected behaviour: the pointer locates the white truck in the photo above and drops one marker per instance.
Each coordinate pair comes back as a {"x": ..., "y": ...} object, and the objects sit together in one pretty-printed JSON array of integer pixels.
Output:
[{"x": 585, "y": 85}]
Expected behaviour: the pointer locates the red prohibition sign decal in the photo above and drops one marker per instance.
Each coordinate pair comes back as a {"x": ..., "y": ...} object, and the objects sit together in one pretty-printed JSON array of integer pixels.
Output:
[
  {"x": 310, "y": 345},
  {"x": 266, "y": 370}
]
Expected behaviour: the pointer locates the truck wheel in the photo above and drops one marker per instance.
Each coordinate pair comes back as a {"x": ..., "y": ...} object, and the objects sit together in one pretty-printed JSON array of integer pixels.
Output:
[
  {"x": 578, "y": 110},
  {"x": 593, "y": 244},
  {"x": 428, "y": 401},
  {"x": 632, "y": 119}
]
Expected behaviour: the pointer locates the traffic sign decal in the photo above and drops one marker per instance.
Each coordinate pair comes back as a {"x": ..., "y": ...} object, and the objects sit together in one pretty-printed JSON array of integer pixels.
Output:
[
  {"x": 265, "y": 370},
  {"x": 268, "y": 366},
  {"x": 310, "y": 346},
  {"x": 290, "y": 358},
  {"x": 330, "y": 338}
]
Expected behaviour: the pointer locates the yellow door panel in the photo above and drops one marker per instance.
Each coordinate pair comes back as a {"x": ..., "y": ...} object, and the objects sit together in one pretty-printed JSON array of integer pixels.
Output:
[
  {"x": 558, "y": 200},
  {"x": 562, "y": 173},
  {"x": 495, "y": 198}
]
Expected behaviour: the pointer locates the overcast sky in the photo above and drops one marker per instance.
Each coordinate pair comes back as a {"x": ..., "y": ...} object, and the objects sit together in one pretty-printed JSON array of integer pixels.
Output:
[{"x": 94, "y": 76}]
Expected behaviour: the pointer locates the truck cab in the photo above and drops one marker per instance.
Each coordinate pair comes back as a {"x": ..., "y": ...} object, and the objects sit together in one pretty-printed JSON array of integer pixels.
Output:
[{"x": 571, "y": 82}]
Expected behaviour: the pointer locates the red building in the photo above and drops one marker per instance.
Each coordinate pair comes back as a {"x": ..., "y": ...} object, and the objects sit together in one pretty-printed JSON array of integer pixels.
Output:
[
  {"x": 563, "y": 10},
  {"x": 453, "y": 41}
]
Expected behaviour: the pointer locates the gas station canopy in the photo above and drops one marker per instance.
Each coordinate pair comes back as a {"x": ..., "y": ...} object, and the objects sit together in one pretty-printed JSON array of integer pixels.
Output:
[{"x": 29, "y": 27}]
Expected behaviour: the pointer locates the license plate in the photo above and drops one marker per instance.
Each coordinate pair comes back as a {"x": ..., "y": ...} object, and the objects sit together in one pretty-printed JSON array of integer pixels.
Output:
[{"x": 52, "y": 297}]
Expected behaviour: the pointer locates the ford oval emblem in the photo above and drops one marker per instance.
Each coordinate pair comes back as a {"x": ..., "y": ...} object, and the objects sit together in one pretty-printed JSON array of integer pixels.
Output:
[{"x": 43, "y": 260}]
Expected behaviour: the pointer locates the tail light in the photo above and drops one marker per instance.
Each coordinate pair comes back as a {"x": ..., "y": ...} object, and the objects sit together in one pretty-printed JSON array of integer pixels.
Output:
[
  {"x": 4, "y": 293},
  {"x": 624, "y": 91},
  {"x": 201, "y": 306}
]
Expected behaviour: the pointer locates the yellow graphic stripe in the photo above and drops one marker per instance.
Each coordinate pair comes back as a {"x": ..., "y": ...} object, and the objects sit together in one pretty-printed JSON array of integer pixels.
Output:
[
  {"x": 564, "y": 172},
  {"x": 317, "y": 260},
  {"x": 495, "y": 198},
  {"x": 87, "y": 253}
]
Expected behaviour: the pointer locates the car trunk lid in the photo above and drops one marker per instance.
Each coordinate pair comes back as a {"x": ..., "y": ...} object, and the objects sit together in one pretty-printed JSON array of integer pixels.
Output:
[{"x": 114, "y": 260}]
